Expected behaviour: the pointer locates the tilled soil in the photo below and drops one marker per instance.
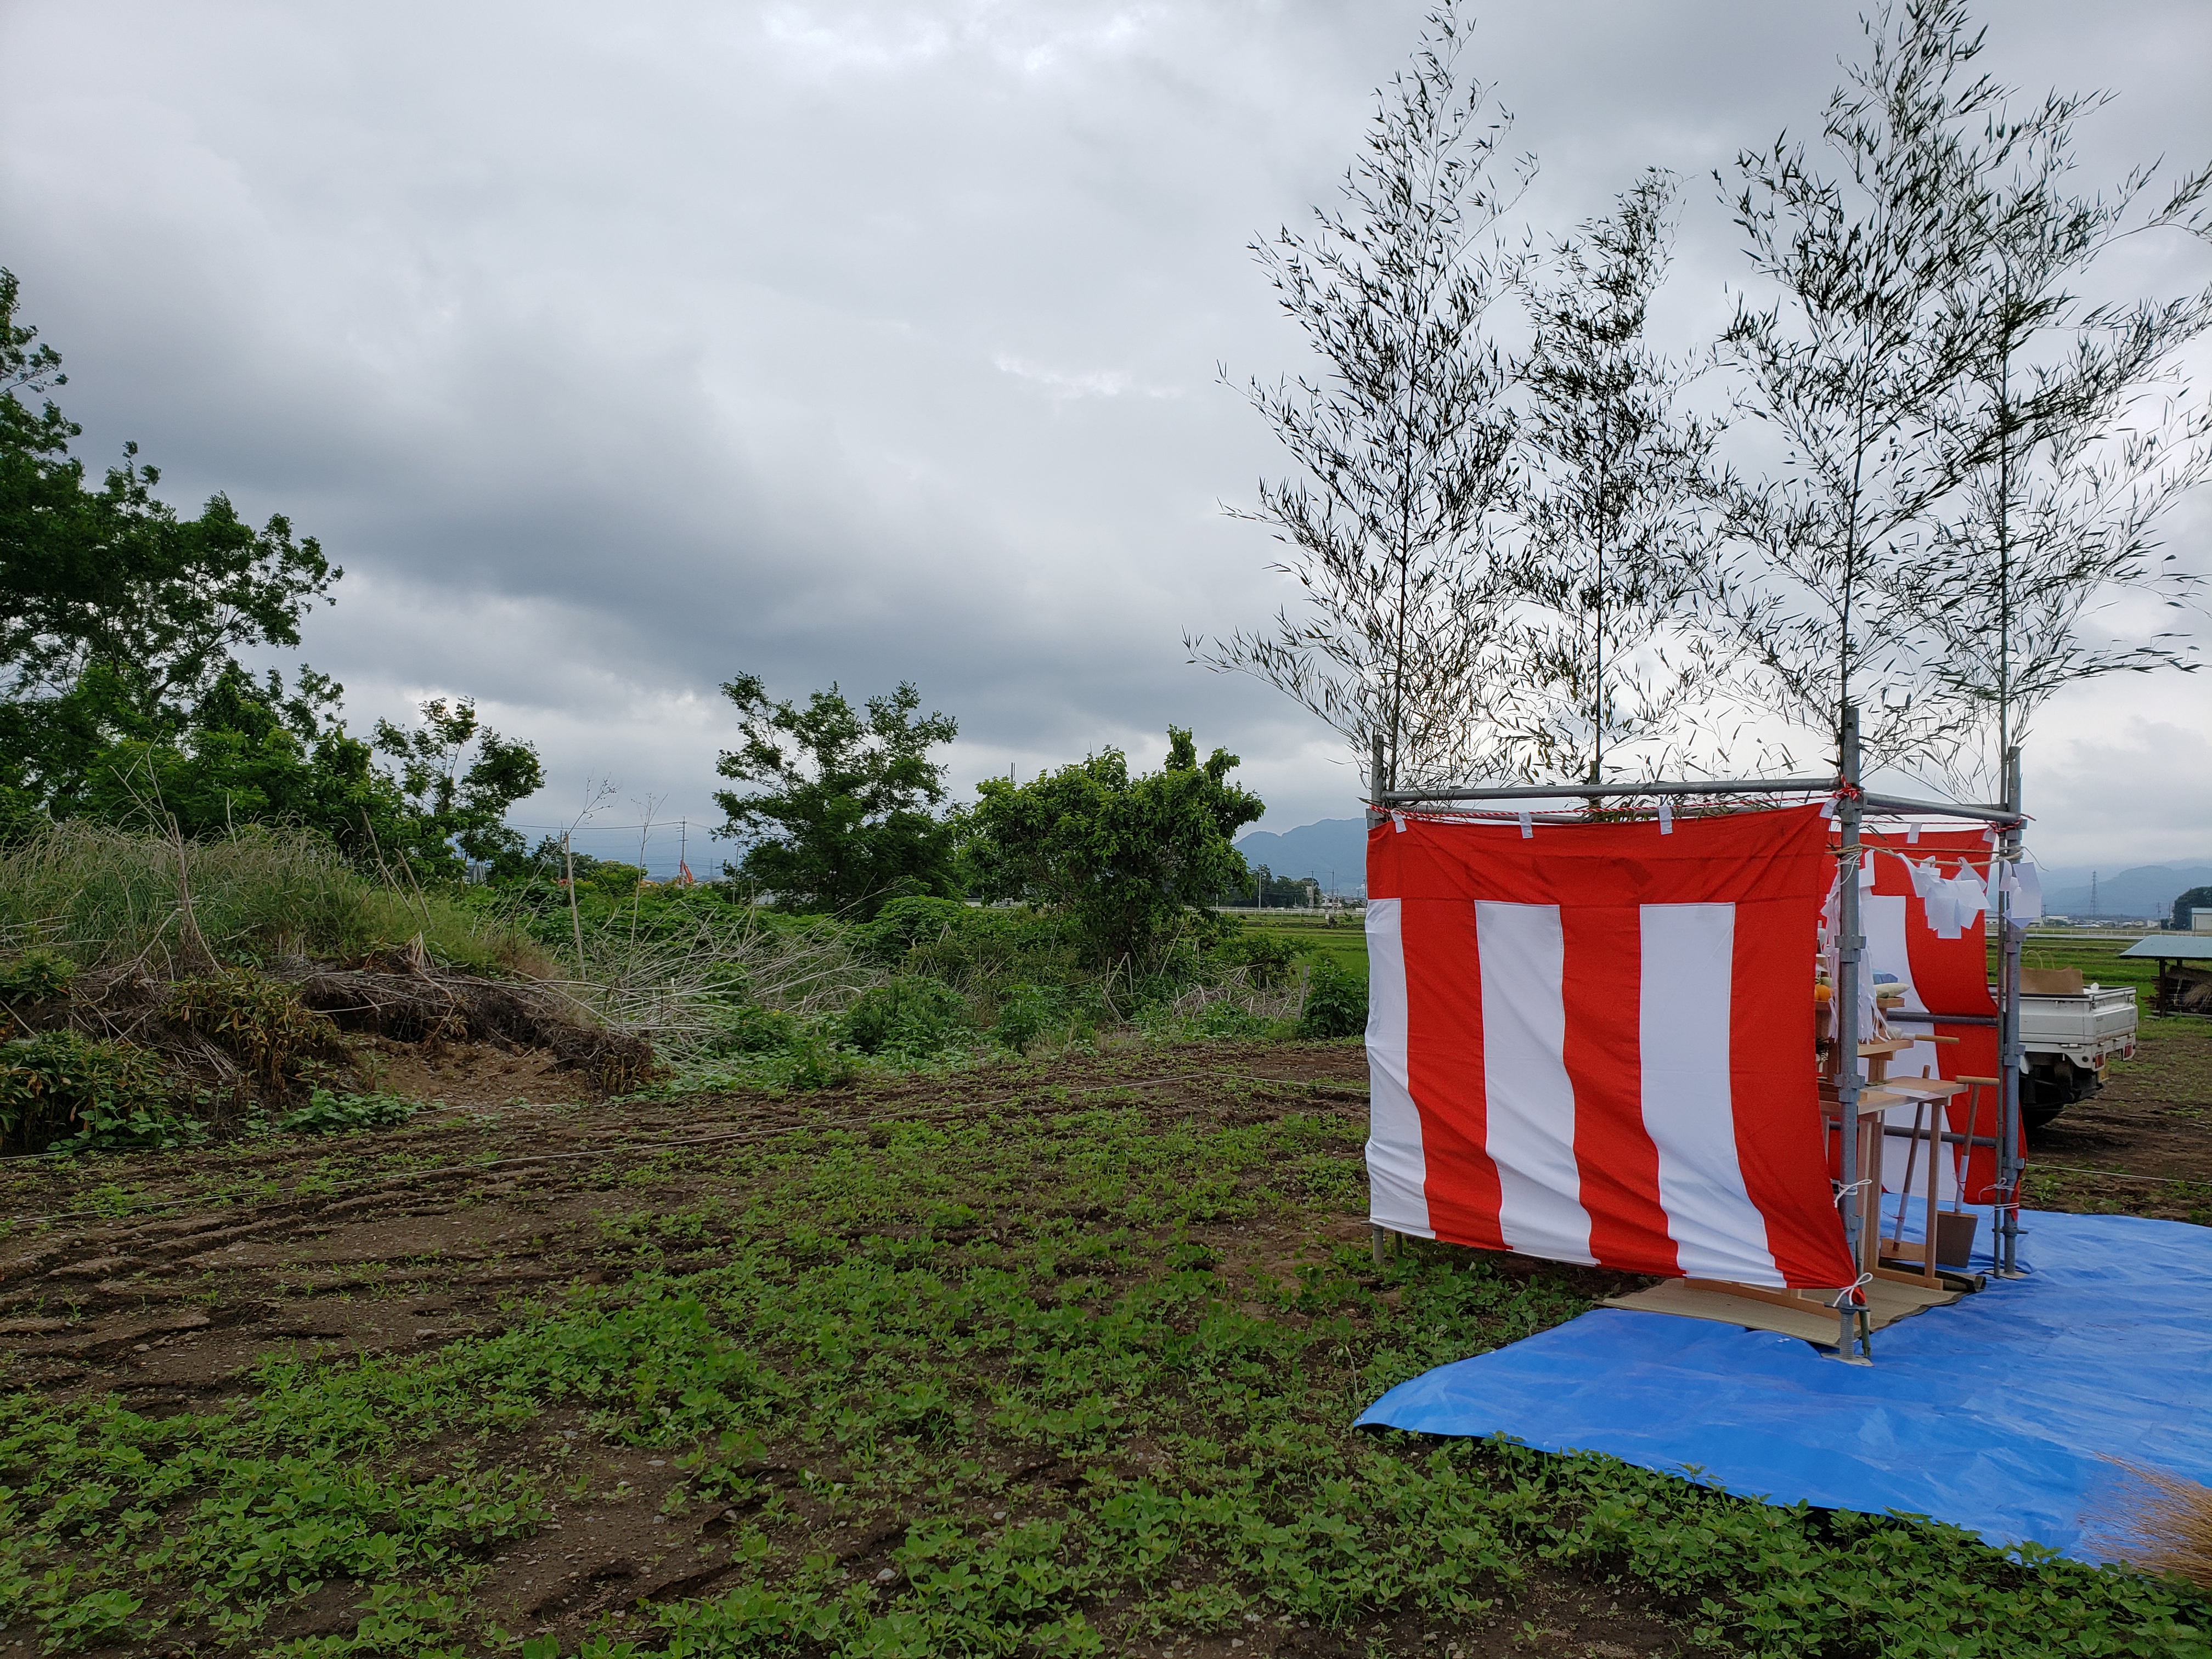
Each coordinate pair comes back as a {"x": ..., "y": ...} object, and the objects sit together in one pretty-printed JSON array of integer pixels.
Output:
[
  {"x": 2142, "y": 1144},
  {"x": 163, "y": 1279},
  {"x": 161, "y": 1276}
]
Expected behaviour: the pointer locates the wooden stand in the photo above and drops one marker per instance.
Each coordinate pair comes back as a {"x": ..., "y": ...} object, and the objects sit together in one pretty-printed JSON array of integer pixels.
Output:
[{"x": 1893, "y": 1291}]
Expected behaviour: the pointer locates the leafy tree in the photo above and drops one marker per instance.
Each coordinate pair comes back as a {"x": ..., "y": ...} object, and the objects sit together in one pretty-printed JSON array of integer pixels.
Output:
[
  {"x": 1404, "y": 443},
  {"x": 2074, "y": 417},
  {"x": 2196, "y": 898},
  {"x": 1130, "y": 860},
  {"x": 1847, "y": 368},
  {"x": 464, "y": 804},
  {"x": 1262, "y": 887},
  {"x": 841, "y": 819},
  {"x": 118, "y": 616},
  {"x": 255, "y": 752},
  {"x": 1614, "y": 499},
  {"x": 248, "y": 751}
]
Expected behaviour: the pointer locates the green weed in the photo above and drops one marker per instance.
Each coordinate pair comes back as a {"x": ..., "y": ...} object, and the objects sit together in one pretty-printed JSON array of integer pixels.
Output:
[
  {"x": 1055, "y": 1365},
  {"x": 60, "y": 1089},
  {"x": 330, "y": 1113}
]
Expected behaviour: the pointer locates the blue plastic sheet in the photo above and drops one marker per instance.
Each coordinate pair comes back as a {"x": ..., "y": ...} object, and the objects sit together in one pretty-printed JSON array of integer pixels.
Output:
[{"x": 1996, "y": 1413}]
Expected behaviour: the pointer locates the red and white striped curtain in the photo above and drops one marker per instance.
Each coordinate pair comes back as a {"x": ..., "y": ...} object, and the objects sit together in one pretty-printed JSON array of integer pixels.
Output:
[
  {"x": 1593, "y": 1042},
  {"x": 1941, "y": 963}
]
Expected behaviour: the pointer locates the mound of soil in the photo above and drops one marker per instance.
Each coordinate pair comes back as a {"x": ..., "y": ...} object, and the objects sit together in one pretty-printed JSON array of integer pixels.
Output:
[{"x": 407, "y": 999}]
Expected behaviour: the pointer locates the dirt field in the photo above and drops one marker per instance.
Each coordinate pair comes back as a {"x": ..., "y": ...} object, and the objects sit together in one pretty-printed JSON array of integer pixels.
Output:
[
  {"x": 419, "y": 1320},
  {"x": 2140, "y": 1146}
]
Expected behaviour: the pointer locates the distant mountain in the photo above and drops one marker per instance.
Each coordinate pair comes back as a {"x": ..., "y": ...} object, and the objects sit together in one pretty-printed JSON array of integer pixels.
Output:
[
  {"x": 1331, "y": 852},
  {"x": 2146, "y": 890}
]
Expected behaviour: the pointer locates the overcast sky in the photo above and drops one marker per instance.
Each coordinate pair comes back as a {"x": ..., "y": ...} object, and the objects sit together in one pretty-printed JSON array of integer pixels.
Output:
[{"x": 614, "y": 349}]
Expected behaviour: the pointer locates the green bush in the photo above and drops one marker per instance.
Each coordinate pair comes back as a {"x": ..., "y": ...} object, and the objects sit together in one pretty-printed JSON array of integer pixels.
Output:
[
  {"x": 904, "y": 923},
  {"x": 262, "y": 1021},
  {"x": 35, "y": 976},
  {"x": 1026, "y": 1012},
  {"x": 752, "y": 1029},
  {"x": 330, "y": 1113},
  {"x": 1269, "y": 956},
  {"x": 1336, "y": 1002},
  {"x": 911, "y": 1016},
  {"x": 61, "y": 1089},
  {"x": 1226, "y": 1018}
]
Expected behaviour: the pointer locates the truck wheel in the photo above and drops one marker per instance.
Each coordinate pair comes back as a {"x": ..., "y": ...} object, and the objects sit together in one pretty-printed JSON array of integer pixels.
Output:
[{"x": 2047, "y": 1090}]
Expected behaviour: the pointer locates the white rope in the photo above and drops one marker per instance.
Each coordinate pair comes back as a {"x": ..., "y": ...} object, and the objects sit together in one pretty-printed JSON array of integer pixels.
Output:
[{"x": 1850, "y": 1293}]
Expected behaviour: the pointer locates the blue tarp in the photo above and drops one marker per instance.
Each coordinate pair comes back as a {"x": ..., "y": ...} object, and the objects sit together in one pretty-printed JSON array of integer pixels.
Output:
[{"x": 1990, "y": 1413}]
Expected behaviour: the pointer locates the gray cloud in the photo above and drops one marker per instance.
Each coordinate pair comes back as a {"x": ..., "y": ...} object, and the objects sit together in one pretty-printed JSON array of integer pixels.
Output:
[{"x": 615, "y": 350}]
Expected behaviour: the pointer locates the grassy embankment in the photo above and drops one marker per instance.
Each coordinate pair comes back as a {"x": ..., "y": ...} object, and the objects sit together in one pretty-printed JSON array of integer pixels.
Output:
[{"x": 168, "y": 985}]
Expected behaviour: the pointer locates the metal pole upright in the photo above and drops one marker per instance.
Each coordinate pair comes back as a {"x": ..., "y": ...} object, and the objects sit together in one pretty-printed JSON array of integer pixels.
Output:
[
  {"x": 2010, "y": 1053},
  {"x": 1380, "y": 1238},
  {"x": 1848, "y": 945}
]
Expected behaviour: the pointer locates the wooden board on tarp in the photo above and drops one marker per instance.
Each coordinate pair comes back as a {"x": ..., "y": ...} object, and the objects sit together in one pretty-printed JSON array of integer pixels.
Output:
[{"x": 1887, "y": 1302}]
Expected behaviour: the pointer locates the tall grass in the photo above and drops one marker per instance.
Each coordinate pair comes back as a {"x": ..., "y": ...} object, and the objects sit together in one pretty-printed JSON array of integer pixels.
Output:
[
  {"x": 107, "y": 897},
  {"x": 678, "y": 980}
]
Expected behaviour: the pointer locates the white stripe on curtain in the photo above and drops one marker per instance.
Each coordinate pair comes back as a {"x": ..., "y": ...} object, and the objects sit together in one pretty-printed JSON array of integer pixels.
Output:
[
  {"x": 1397, "y": 1168},
  {"x": 1688, "y": 969},
  {"x": 1529, "y": 1102}
]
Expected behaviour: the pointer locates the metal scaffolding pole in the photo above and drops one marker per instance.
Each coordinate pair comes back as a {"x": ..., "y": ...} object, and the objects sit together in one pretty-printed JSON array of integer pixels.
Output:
[
  {"x": 1380, "y": 1238},
  {"x": 1548, "y": 792},
  {"x": 2011, "y": 1054},
  {"x": 1848, "y": 947}
]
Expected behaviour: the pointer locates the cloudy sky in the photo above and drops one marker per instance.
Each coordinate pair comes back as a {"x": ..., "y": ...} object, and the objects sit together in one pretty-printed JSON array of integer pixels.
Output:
[{"x": 613, "y": 349}]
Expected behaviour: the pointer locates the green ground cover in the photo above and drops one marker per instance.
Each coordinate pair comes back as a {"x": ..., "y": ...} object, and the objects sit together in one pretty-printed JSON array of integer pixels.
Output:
[{"x": 1073, "y": 1380}]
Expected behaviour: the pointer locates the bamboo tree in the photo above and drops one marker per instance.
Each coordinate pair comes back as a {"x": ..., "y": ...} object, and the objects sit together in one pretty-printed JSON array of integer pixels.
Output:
[
  {"x": 1403, "y": 441},
  {"x": 2074, "y": 415},
  {"x": 1847, "y": 368},
  {"x": 1616, "y": 551}
]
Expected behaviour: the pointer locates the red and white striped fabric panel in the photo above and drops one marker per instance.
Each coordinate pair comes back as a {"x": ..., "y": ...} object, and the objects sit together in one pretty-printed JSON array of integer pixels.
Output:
[
  {"x": 1939, "y": 975},
  {"x": 1595, "y": 1044}
]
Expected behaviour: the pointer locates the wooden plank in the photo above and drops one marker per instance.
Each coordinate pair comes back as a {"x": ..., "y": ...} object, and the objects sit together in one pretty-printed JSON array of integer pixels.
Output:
[
  {"x": 1806, "y": 1321},
  {"x": 1757, "y": 1309},
  {"x": 1752, "y": 1292},
  {"x": 1926, "y": 1088}
]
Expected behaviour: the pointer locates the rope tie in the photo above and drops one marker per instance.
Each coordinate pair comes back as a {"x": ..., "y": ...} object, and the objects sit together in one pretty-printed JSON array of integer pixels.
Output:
[{"x": 1853, "y": 1294}]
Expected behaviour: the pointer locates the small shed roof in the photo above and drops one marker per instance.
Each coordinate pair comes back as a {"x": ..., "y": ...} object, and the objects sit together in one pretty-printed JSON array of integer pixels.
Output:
[{"x": 2174, "y": 947}]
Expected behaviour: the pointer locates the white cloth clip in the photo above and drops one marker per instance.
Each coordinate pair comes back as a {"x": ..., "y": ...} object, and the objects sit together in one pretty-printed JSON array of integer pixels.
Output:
[
  {"x": 1527, "y": 827},
  {"x": 1398, "y": 822},
  {"x": 1665, "y": 816},
  {"x": 1912, "y": 834}
]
